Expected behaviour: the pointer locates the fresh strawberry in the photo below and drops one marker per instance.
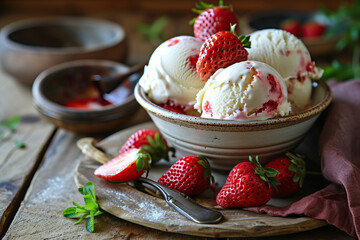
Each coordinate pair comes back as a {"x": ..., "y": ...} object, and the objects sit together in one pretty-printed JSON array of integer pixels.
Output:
[
  {"x": 212, "y": 19},
  {"x": 292, "y": 26},
  {"x": 247, "y": 185},
  {"x": 126, "y": 166},
  {"x": 291, "y": 175},
  {"x": 151, "y": 141},
  {"x": 221, "y": 50},
  {"x": 172, "y": 107},
  {"x": 312, "y": 30},
  {"x": 190, "y": 175}
]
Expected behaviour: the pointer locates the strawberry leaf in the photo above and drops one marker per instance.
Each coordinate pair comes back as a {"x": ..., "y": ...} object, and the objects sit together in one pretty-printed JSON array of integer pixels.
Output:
[
  {"x": 140, "y": 163},
  {"x": 207, "y": 168},
  {"x": 297, "y": 166},
  {"x": 245, "y": 40},
  {"x": 270, "y": 172}
]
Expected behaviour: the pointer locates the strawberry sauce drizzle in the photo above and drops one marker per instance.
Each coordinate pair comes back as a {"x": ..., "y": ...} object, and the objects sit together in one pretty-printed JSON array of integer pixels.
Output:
[
  {"x": 208, "y": 109},
  {"x": 272, "y": 82},
  {"x": 173, "y": 42},
  {"x": 192, "y": 61},
  {"x": 310, "y": 67},
  {"x": 268, "y": 107},
  {"x": 285, "y": 52}
]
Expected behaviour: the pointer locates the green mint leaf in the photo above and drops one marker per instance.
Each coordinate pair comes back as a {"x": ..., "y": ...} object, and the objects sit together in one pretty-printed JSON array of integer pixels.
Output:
[
  {"x": 89, "y": 202},
  {"x": 73, "y": 212},
  {"x": 81, "y": 190},
  {"x": 19, "y": 145},
  {"x": 82, "y": 217},
  {"x": 154, "y": 32},
  {"x": 90, "y": 225},
  {"x": 77, "y": 205},
  {"x": 90, "y": 189},
  {"x": 98, "y": 212},
  {"x": 91, "y": 207},
  {"x": 70, "y": 212},
  {"x": 12, "y": 123}
]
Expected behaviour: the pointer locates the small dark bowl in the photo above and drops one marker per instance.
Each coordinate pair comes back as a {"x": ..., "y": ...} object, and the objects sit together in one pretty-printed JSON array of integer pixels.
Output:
[
  {"x": 61, "y": 83},
  {"x": 30, "y": 46}
]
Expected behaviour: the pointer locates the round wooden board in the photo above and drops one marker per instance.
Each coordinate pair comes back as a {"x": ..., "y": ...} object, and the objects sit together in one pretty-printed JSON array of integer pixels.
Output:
[{"x": 130, "y": 204}]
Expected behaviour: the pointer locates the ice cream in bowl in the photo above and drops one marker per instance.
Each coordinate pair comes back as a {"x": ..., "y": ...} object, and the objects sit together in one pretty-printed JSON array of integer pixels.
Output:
[{"x": 214, "y": 99}]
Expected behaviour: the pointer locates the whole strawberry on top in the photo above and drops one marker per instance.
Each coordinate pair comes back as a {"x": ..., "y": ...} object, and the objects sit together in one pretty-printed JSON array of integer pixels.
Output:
[
  {"x": 221, "y": 50},
  {"x": 151, "y": 141},
  {"x": 291, "y": 175},
  {"x": 212, "y": 19},
  {"x": 190, "y": 175},
  {"x": 248, "y": 185},
  {"x": 127, "y": 166}
]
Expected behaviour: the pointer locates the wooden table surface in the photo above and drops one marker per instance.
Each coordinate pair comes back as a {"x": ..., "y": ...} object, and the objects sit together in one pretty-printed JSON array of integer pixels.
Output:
[{"x": 37, "y": 182}]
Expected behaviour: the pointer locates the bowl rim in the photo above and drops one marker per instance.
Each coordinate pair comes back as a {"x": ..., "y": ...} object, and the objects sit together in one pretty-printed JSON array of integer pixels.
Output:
[
  {"x": 56, "y": 110},
  {"x": 230, "y": 125},
  {"x": 118, "y": 37}
]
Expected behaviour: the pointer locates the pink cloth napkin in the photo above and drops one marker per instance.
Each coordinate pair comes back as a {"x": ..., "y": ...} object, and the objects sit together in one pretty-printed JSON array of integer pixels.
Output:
[{"x": 339, "y": 146}]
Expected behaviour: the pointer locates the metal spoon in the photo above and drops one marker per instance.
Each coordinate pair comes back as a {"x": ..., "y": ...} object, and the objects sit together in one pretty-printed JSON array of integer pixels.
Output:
[
  {"x": 179, "y": 201},
  {"x": 107, "y": 83}
]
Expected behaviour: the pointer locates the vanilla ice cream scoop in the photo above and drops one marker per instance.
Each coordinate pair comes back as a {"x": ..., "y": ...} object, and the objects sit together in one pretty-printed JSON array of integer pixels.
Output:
[
  {"x": 171, "y": 72},
  {"x": 290, "y": 57},
  {"x": 248, "y": 90}
]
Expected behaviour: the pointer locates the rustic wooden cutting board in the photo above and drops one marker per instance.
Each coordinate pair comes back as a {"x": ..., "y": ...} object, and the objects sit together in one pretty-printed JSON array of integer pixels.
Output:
[{"x": 130, "y": 204}]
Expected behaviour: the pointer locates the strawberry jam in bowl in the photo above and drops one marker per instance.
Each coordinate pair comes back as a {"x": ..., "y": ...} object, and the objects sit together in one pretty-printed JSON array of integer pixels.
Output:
[{"x": 81, "y": 96}]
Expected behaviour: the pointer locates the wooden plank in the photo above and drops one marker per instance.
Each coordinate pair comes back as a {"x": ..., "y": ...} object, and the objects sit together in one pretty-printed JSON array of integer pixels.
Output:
[{"x": 17, "y": 166}]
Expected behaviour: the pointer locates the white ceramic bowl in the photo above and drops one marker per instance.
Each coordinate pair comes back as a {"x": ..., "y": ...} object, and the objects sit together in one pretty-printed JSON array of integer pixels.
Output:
[
  {"x": 228, "y": 142},
  {"x": 30, "y": 46}
]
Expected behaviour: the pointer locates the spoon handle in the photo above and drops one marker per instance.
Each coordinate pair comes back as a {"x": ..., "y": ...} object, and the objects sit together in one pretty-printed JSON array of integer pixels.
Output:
[{"x": 185, "y": 205}]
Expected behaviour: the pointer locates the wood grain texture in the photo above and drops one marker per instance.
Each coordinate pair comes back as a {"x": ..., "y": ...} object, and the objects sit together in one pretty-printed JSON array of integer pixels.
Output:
[
  {"x": 127, "y": 203},
  {"x": 17, "y": 166}
]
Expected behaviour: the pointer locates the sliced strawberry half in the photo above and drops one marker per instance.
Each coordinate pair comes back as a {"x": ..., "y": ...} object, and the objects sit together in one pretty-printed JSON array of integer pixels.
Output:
[{"x": 125, "y": 167}]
